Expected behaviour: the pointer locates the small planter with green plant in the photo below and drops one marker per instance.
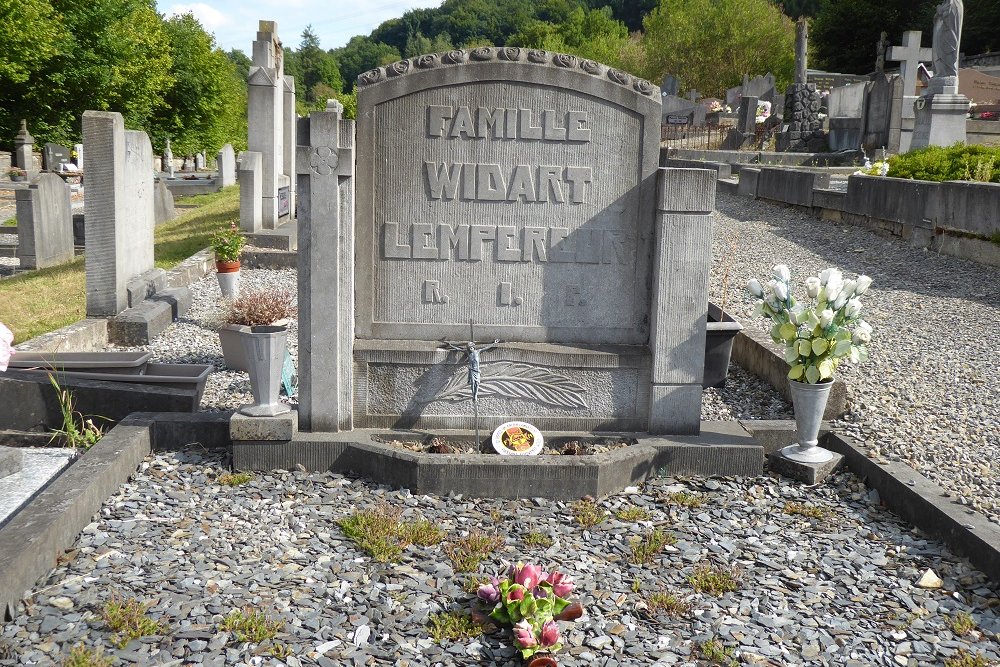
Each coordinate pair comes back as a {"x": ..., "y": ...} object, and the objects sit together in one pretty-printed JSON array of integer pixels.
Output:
[
  {"x": 228, "y": 245},
  {"x": 17, "y": 174}
]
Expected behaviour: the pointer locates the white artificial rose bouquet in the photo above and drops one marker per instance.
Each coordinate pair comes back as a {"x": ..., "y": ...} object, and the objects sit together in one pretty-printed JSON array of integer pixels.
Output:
[{"x": 820, "y": 332}]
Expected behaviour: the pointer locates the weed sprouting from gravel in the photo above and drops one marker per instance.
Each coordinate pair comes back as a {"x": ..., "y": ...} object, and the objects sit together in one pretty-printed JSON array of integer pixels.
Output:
[
  {"x": 423, "y": 533},
  {"x": 961, "y": 623},
  {"x": 646, "y": 549},
  {"x": 632, "y": 514},
  {"x": 536, "y": 539},
  {"x": 251, "y": 625},
  {"x": 667, "y": 604},
  {"x": 963, "y": 658},
  {"x": 715, "y": 653},
  {"x": 809, "y": 511},
  {"x": 127, "y": 618},
  {"x": 452, "y": 626},
  {"x": 81, "y": 656},
  {"x": 588, "y": 513},
  {"x": 466, "y": 553},
  {"x": 381, "y": 534},
  {"x": 685, "y": 499},
  {"x": 235, "y": 478},
  {"x": 715, "y": 580}
]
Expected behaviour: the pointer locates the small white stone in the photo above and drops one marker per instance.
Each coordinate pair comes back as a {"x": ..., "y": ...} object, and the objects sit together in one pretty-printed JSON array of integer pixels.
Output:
[
  {"x": 63, "y": 603},
  {"x": 361, "y": 635},
  {"x": 930, "y": 580}
]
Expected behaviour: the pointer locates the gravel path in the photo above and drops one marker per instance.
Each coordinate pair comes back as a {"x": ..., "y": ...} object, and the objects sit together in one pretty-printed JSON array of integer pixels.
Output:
[
  {"x": 927, "y": 395},
  {"x": 835, "y": 589}
]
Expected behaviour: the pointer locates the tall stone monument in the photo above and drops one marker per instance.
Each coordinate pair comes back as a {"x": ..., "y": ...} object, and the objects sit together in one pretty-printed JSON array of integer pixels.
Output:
[
  {"x": 517, "y": 190},
  {"x": 271, "y": 124},
  {"x": 23, "y": 146},
  {"x": 940, "y": 112},
  {"x": 804, "y": 129}
]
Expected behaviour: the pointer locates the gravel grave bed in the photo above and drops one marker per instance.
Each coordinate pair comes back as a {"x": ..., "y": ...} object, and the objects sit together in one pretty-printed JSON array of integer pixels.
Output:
[
  {"x": 927, "y": 395},
  {"x": 825, "y": 575}
]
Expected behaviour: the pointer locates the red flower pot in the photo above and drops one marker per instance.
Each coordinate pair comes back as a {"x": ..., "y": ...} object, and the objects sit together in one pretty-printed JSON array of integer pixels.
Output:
[
  {"x": 227, "y": 266},
  {"x": 543, "y": 660}
]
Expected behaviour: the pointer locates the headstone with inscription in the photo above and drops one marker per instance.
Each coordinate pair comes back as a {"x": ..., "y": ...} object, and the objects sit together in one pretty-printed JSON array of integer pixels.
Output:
[
  {"x": 979, "y": 87},
  {"x": 519, "y": 190},
  {"x": 44, "y": 223},
  {"x": 55, "y": 156}
]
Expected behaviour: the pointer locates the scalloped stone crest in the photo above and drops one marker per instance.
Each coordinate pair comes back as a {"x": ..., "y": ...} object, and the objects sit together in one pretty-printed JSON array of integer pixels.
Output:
[{"x": 509, "y": 54}]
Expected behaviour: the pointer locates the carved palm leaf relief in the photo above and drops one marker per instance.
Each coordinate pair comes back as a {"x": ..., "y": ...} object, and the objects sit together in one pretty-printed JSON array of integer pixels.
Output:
[{"x": 508, "y": 379}]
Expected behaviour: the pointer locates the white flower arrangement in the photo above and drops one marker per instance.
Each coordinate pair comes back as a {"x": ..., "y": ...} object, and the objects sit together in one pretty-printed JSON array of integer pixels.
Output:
[
  {"x": 763, "y": 111},
  {"x": 820, "y": 333},
  {"x": 880, "y": 168}
]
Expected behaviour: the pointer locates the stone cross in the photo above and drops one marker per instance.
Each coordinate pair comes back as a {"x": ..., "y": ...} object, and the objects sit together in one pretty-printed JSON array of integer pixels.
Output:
[
  {"x": 693, "y": 95},
  {"x": 325, "y": 171},
  {"x": 909, "y": 55}
]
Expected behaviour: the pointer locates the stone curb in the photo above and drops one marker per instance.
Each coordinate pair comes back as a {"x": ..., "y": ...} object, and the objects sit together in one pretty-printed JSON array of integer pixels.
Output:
[
  {"x": 270, "y": 259},
  {"x": 919, "y": 501},
  {"x": 35, "y": 537}
]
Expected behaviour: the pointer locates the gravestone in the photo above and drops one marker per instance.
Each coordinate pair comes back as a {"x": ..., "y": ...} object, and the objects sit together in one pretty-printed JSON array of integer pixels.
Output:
[
  {"x": 270, "y": 122},
  {"x": 78, "y": 155},
  {"x": 44, "y": 223},
  {"x": 55, "y": 155},
  {"x": 168, "y": 160},
  {"x": 23, "y": 147},
  {"x": 979, "y": 87},
  {"x": 118, "y": 210},
  {"x": 846, "y": 108},
  {"x": 670, "y": 85},
  {"x": 883, "y": 116},
  {"x": 199, "y": 161},
  {"x": 761, "y": 87},
  {"x": 163, "y": 203},
  {"x": 518, "y": 189},
  {"x": 940, "y": 112},
  {"x": 226, "y": 163},
  {"x": 677, "y": 107},
  {"x": 251, "y": 172}
]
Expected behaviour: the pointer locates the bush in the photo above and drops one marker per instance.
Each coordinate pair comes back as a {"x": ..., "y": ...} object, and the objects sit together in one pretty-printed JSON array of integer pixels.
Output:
[{"x": 953, "y": 163}]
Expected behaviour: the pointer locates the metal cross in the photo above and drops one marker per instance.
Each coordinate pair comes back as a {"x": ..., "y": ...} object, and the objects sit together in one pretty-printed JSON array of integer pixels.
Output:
[{"x": 472, "y": 353}]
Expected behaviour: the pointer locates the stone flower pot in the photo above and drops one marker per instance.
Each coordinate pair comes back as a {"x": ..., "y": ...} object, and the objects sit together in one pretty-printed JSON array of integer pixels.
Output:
[
  {"x": 721, "y": 331},
  {"x": 231, "y": 339},
  {"x": 809, "y": 403},
  {"x": 264, "y": 348}
]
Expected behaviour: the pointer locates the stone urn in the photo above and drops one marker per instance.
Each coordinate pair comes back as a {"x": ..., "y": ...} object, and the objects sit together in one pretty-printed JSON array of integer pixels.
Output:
[
  {"x": 809, "y": 403},
  {"x": 264, "y": 348},
  {"x": 228, "y": 273}
]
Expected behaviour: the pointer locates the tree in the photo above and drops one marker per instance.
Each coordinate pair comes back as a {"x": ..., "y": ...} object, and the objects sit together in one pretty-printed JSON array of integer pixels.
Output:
[
  {"x": 242, "y": 63},
  {"x": 592, "y": 34},
  {"x": 205, "y": 105},
  {"x": 317, "y": 67},
  {"x": 360, "y": 55},
  {"x": 710, "y": 44},
  {"x": 115, "y": 57}
]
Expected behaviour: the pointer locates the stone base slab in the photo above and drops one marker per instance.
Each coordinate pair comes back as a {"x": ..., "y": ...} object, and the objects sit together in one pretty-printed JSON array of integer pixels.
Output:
[
  {"x": 10, "y": 461},
  {"x": 284, "y": 237},
  {"x": 140, "y": 324},
  {"x": 722, "y": 448},
  {"x": 808, "y": 473}
]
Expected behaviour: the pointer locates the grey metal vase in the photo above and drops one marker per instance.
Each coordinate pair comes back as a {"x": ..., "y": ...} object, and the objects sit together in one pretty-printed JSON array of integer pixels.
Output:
[
  {"x": 265, "y": 353},
  {"x": 809, "y": 403}
]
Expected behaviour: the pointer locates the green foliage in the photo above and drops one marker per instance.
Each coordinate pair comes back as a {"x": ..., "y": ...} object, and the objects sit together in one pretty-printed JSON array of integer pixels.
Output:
[
  {"x": 844, "y": 32},
  {"x": 716, "y": 653},
  {"x": 592, "y": 34},
  {"x": 633, "y": 514},
  {"x": 961, "y": 623},
  {"x": 646, "y": 549},
  {"x": 452, "y": 626},
  {"x": 710, "y": 44},
  {"x": 962, "y": 658},
  {"x": 952, "y": 163},
  {"x": 808, "y": 511},
  {"x": 81, "y": 656},
  {"x": 536, "y": 539},
  {"x": 31, "y": 34},
  {"x": 588, "y": 513},
  {"x": 251, "y": 625},
  {"x": 667, "y": 604},
  {"x": 714, "y": 579},
  {"x": 232, "y": 479},
  {"x": 77, "y": 432},
  {"x": 127, "y": 618},
  {"x": 205, "y": 105},
  {"x": 466, "y": 553},
  {"x": 227, "y": 244},
  {"x": 360, "y": 55}
]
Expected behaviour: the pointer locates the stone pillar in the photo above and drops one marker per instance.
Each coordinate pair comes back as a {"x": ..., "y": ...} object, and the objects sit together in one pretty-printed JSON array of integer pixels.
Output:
[
  {"x": 23, "y": 146},
  {"x": 44, "y": 223},
  {"x": 290, "y": 143},
  {"x": 265, "y": 117},
  {"x": 119, "y": 210},
  {"x": 681, "y": 262},
  {"x": 326, "y": 270},
  {"x": 801, "y": 49},
  {"x": 250, "y": 189},
  {"x": 805, "y": 129},
  {"x": 225, "y": 161},
  {"x": 748, "y": 115}
]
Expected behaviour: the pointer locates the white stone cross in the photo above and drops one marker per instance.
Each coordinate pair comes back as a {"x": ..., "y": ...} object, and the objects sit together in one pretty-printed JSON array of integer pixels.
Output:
[{"x": 909, "y": 55}]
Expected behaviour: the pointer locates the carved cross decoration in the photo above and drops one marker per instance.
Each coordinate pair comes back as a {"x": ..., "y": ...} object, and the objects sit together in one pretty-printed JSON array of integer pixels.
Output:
[{"x": 909, "y": 55}]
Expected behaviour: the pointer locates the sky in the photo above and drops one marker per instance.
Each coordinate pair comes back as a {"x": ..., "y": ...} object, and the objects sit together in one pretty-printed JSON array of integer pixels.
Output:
[{"x": 234, "y": 22}]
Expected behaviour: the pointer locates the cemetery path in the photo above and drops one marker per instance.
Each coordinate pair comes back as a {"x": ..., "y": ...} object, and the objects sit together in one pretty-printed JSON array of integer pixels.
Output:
[
  {"x": 928, "y": 395},
  {"x": 814, "y": 575}
]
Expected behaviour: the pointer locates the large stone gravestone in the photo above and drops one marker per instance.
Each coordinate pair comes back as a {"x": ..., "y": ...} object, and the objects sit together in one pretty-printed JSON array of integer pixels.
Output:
[
  {"x": 883, "y": 115},
  {"x": 44, "y": 223},
  {"x": 518, "y": 190},
  {"x": 55, "y": 155},
  {"x": 846, "y": 108},
  {"x": 979, "y": 87}
]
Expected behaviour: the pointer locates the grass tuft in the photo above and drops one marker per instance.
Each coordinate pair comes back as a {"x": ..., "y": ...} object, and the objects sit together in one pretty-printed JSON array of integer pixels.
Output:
[
  {"x": 963, "y": 658},
  {"x": 536, "y": 539},
  {"x": 715, "y": 653},
  {"x": 234, "y": 478},
  {"x": 466, "y": 553},
  {"x": 632, "y": 514},
  {"x": 961, "y": 623},
  {"x": 588, "y": 513},
  {"x": 809, "y": 511},
  {"x": 714, "y": 580},
  {"x": 381, "y": 534},
  {"x": 452, "y": 626},
  {"x": 666, "y": 604},
  {"x": 423, "y": 533},
  {"x": 685, "y": 499},
  {"x": 251, "y": 625},
  {"x": 81, "y": 656},
  {"x": 127, "y": 618},
  {"x": 646, "y": 549}
]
